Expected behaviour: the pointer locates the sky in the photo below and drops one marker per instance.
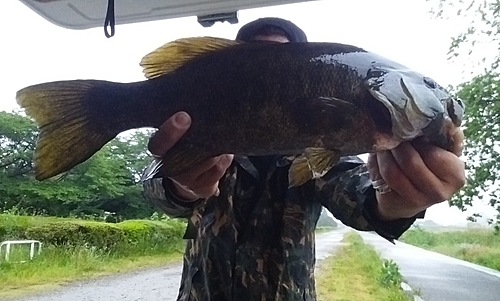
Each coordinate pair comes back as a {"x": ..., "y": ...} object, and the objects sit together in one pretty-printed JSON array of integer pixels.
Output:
[{"x": 35, "y": 50}]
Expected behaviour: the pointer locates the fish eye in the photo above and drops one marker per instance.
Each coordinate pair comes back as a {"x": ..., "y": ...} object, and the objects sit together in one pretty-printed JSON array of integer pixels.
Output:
[{"x": 430, "y": 83}]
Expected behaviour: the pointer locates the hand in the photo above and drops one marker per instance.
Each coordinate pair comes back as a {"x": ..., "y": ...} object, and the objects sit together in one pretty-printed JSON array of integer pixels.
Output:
[
  {"x": 202, "y": 180},
  {"x": 419, "y": 175}
]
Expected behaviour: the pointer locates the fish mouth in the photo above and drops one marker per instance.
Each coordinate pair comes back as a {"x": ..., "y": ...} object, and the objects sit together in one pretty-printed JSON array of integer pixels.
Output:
[
  {"x": 455, "y": 109},
  {"x": 417, "y": 105},
  {"x": 441, "y": 130},
  {"x": 409, "y": 114},
  {"x": 437, "y": 124}
]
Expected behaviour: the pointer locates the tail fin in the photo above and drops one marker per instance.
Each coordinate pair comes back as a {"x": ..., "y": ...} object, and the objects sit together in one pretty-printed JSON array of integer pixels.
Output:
[{"x": 63, "y": 112}]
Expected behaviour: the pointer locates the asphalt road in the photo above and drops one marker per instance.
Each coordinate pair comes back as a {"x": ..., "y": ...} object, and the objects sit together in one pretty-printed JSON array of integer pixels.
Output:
[
  {"x": 439, "y": 277},
  {"x": 159, "y": 284},
  {"x": 142, "y": 285}
]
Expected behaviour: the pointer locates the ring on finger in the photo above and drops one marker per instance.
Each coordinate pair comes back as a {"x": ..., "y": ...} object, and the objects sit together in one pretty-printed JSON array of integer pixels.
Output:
[
  {"x": 156, "y": 157},
  {"x": 381, "y": 186}
]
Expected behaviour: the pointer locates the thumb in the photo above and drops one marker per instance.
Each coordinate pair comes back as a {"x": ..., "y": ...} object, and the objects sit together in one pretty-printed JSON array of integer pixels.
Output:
[{"x": 169, "y": 133}]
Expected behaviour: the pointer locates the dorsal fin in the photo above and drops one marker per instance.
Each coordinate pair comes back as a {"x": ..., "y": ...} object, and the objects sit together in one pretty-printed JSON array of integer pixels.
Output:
[{"x": 173, "y": 55}]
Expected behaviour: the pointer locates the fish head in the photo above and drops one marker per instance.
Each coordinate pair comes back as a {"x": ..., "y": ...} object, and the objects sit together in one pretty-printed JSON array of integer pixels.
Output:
[{"x": 417, "y": 105}]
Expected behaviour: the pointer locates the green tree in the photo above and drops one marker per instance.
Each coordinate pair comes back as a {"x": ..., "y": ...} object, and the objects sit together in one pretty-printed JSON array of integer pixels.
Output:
[
  {"x": 17, "y": 140},
  {"x": 481, "y": 95},
  {"x": 482, "y": 132},
  {"x": 482, "y": 18},
  {"x": 108, "y": 181}
]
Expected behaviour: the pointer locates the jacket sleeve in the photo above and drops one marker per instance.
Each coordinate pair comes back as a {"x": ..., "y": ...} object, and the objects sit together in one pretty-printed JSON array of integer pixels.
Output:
[
  {"x": 346, "y": 191},
  {"x": 158, "y": 191}
]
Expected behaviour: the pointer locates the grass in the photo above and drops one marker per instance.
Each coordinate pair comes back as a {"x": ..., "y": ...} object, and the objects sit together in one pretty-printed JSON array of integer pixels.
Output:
[
  {"x": 356, "y": 272},
  {"x": 32, "y": 220},
  {"x": 58, "y": 266},
  {"x": 324, "y": 229},
  {"x": 479, "y": 246},
  {"x": 63, "y": 264}
]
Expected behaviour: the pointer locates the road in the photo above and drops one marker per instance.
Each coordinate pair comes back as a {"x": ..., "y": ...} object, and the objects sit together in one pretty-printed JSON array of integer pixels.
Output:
[
  {"x": 437, "y": 277},
  {"x": 159, "y": 284},
  {"x": 142, "y": 285}
]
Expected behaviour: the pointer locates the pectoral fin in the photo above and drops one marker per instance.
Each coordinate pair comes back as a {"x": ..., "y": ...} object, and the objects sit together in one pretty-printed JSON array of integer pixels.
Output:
[
  {"x": 313, "y": 164},
  {"x": 321, "y": 112},
  {"x": 300, "y": 171}
]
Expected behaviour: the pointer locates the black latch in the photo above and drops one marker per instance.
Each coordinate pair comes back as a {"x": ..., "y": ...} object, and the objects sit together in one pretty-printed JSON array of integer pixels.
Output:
[{"x": 209, "y": 20}]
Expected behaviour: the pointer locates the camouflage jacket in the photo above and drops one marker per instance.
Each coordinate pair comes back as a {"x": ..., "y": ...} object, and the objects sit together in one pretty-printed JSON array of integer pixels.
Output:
[{"x": 255, "y": 241}]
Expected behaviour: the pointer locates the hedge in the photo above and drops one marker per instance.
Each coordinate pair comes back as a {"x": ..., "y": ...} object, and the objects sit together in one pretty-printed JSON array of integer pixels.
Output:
[{"x": 104, "y": 236}]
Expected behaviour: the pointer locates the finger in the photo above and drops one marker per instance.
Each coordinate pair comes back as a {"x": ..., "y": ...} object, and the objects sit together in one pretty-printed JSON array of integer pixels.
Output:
[
  {"x": 378, "y": 182},
  {"x": 184, "y": 192},
  {"x": 208, "y": 191},
  {"x": 416, "y": 171},
  {"x": 445, "y": 165},
  {"x": 396, "y": 178},
  {"x": 372, "y": 166},
  {"x": 169, "y": 133},
  {"x": 204, "y": 179},
  {"x": 191, "y": 176},
  {"x": 458, "y": 143},
  {"x": 215, "y": 173}
]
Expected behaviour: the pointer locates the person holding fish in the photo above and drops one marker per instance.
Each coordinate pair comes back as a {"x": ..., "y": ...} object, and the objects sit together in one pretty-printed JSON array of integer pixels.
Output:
[
  {"x": 295, "y": 114},
  {"x": 251, "y": 236}
]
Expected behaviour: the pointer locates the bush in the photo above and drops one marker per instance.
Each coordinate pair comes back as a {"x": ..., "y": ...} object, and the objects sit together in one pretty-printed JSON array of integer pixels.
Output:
[
  {"x": 419, "y": 237},
  {"x": 71, "y": 234},
  {"x": 390, "y": 275},
  {"x": 124, "y": 237}
]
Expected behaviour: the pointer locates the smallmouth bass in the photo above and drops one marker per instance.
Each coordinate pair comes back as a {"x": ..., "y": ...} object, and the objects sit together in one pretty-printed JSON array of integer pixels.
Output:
[{"x": 318, "y": 101}]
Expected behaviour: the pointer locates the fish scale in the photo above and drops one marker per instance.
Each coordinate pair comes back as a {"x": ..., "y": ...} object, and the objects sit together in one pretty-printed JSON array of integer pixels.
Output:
[{"x": 316, "y": 101}]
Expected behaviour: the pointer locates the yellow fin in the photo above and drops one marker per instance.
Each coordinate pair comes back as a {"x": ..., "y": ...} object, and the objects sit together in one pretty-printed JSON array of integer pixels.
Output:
[
  {"x": 321, "y": 160},
  {"x": 68, "y": 133},
  {"x": 299, "y": 172},
  {"x": 173, "y": 55},
  {"x": 313, "y": 164}
]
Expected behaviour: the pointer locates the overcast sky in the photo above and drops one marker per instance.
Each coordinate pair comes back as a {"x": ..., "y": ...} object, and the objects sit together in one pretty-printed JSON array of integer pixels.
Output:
[{"x": 34, "y": 50}]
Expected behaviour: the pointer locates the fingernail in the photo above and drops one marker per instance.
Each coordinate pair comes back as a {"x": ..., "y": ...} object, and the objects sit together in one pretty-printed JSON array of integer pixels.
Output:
[
  {"x": 182, "y": 119},
  {"x": 225, "y": 159}
]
